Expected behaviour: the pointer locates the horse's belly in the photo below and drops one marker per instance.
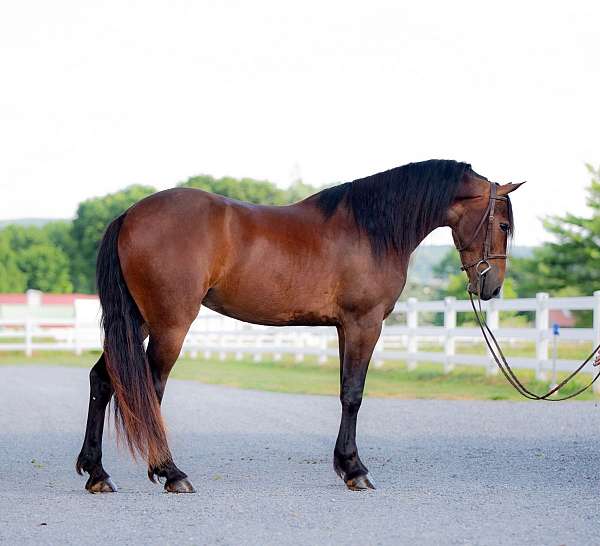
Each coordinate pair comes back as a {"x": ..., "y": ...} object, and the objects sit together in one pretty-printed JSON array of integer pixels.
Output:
[{"x": 271, "y": 309}]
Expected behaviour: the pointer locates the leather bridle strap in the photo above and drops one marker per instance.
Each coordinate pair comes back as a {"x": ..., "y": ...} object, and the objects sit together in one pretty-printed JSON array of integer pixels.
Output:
[
  {"x": 488, "y": 336},
  {"x": 487, "y": 218}
]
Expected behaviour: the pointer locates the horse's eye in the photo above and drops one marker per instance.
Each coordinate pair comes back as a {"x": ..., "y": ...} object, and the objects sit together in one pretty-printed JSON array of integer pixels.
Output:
[{"x": 504, "y": 227}]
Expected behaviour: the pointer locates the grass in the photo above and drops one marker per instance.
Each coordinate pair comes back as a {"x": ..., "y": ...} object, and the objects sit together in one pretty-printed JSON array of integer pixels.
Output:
[
  {"x": 565, "y": 350},
  {"x": 308, "y": 377}
]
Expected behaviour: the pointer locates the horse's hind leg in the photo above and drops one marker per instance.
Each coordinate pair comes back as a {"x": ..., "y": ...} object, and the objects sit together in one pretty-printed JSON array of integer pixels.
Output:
[
  {"x": 90, "y": 458},
  {"x": 163, "y": 350}
]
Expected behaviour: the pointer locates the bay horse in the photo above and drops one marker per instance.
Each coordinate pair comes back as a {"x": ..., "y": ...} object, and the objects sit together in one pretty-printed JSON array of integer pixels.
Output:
[{"x": 338, "y": 258}]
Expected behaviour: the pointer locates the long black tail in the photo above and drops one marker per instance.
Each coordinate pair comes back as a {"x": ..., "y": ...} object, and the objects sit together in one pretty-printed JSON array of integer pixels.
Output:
[{"x": 137, "y": 410}]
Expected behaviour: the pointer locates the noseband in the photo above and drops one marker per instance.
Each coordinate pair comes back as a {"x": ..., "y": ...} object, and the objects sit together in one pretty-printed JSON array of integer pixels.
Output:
[{"x": 487, "y": 245}]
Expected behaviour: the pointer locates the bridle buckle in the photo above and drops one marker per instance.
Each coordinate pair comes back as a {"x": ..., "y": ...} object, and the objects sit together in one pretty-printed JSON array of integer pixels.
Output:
[{"x": 484, "y": 271}]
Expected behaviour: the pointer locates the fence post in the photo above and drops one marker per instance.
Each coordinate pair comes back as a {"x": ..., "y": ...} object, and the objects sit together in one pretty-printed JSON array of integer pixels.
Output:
[
  {"x": 77, "y": 340},
  {"x": 596, "y": 312},
  {"x": 28, "y": 336},
  {"x": 492, "y": 317},
  {"x": 34, "y": 301},
  {"x": 542, "y": 323},
  {"x": 412, "y": 321},
  {"x": 449, "y": 325}
]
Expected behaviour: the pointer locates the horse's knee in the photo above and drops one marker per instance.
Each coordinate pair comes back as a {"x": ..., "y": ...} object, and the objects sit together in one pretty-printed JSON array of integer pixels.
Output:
[{"x": 351, "y": 401}]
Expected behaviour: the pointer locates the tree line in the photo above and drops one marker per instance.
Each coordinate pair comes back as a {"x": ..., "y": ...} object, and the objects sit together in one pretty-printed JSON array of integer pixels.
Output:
[{"x": 60, "y": 256}]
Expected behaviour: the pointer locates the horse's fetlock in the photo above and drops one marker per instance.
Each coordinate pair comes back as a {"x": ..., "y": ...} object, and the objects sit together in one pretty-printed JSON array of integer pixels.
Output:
[{"x": 168, "y": 471}]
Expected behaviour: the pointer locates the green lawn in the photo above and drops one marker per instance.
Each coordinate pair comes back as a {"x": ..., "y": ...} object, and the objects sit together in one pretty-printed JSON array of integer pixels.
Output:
[{"x": 391, "y": 380}]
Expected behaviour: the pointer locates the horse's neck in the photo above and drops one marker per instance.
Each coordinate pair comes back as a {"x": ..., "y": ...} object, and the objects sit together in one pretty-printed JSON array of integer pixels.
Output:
[{"x": 401, "y": 260}]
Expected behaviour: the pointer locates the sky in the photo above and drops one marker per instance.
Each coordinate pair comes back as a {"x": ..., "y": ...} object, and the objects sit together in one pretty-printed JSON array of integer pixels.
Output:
[{"x": 97, "y": 96}]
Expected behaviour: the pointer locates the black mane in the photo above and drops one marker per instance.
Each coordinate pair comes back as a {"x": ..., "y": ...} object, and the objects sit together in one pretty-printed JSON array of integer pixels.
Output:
[{"x": 399, "y": 207}]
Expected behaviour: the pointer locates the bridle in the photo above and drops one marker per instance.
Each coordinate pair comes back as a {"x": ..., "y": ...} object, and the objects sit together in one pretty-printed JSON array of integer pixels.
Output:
[
  {"x": 487, "y": 218},
  {"x": 488, "y": 336}
]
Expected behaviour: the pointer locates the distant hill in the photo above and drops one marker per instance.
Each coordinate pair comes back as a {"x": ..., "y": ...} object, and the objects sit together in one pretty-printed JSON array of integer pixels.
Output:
[
  {"x": 37, "y": 222},
  {"x": 426, "y": 257}
]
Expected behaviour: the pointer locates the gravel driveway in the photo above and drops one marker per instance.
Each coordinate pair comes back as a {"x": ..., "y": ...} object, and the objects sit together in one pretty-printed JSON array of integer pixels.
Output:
[{"x": 448, "y": 472}]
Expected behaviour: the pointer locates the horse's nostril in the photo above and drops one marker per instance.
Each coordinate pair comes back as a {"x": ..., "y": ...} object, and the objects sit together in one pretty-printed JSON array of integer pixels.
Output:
[{"x": 496, "y": 292}]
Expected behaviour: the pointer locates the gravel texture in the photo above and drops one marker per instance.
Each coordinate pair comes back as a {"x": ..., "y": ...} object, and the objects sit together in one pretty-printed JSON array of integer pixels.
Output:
[{"x": 448, "y": 472}]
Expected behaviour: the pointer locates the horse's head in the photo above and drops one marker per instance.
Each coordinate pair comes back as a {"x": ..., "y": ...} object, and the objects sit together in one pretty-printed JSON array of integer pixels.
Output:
[{"x": 482, "y": 222}]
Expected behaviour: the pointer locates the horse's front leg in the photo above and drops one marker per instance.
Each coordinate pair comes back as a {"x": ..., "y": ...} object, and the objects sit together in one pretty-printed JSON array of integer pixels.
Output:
[{"x": 360, "y": 337}]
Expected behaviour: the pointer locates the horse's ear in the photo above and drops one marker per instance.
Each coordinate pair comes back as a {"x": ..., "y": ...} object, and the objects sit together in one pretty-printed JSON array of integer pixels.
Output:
[{"x": 505, "y": 189}]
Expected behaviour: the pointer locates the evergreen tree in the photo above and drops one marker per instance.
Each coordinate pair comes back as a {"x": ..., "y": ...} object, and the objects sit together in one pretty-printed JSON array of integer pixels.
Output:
[{"x": 570, "y": 265}]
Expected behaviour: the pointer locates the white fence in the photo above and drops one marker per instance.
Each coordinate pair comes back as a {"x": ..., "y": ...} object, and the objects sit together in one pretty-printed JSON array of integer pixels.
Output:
[{"x": 213, "y": 335}]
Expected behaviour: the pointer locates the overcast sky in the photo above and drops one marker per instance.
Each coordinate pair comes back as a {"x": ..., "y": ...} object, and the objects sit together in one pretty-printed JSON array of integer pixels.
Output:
[{"x": 99, "y": 95}]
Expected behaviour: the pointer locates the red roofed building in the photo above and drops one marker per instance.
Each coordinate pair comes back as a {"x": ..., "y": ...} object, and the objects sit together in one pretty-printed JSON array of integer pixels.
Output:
[
  {"x": 36, "y": 304},
  {"x": 46, "y": 299},
  {"x": 564, "y": 319}
]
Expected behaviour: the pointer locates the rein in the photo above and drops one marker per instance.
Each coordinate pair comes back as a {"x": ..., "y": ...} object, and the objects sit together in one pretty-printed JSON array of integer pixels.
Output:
[
  {"x": 488, "y": 336},
  {"x": 507, "y": 371}
]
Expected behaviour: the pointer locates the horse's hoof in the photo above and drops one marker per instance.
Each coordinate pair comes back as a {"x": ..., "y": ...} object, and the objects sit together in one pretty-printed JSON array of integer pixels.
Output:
[
  {"x": 360, "y": 483},
  {"x": 103, "y": 486},
  {"x": 180, "y": 486}
]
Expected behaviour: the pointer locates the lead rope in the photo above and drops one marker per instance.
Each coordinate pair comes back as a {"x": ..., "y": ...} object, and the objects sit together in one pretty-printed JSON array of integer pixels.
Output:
[{"x": 507, "y": 370}]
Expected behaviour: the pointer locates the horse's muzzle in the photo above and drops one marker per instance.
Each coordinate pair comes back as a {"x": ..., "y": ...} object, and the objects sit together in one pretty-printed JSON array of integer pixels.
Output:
[{"x": 488, "y": 285}]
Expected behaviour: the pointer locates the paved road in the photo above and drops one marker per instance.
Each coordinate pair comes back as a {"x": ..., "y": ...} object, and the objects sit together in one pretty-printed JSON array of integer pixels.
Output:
[{"x": 447, "y": 472}]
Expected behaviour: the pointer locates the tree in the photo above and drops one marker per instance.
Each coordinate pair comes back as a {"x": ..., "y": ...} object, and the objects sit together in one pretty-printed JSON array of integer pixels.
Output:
[
  {"x": 46, "y": 268},
  {"x": 60, "y": 234},
  {"x": 22, "y": 237},
  {"x": 245, "y": 189},
  {"x": 447, "y": 266},
  {"x": 12, "y": 279},
  {"x": 31, "y": 260},
  {"x": 569, "y": 265},
  {"x": 253, "y": 191},
  {"x": 299, "y": 190},
  {"x": 93, "y": 215}
]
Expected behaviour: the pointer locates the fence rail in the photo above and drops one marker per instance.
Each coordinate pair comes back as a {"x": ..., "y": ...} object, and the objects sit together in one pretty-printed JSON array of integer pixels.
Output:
[{"x": 214, "y": 335}]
